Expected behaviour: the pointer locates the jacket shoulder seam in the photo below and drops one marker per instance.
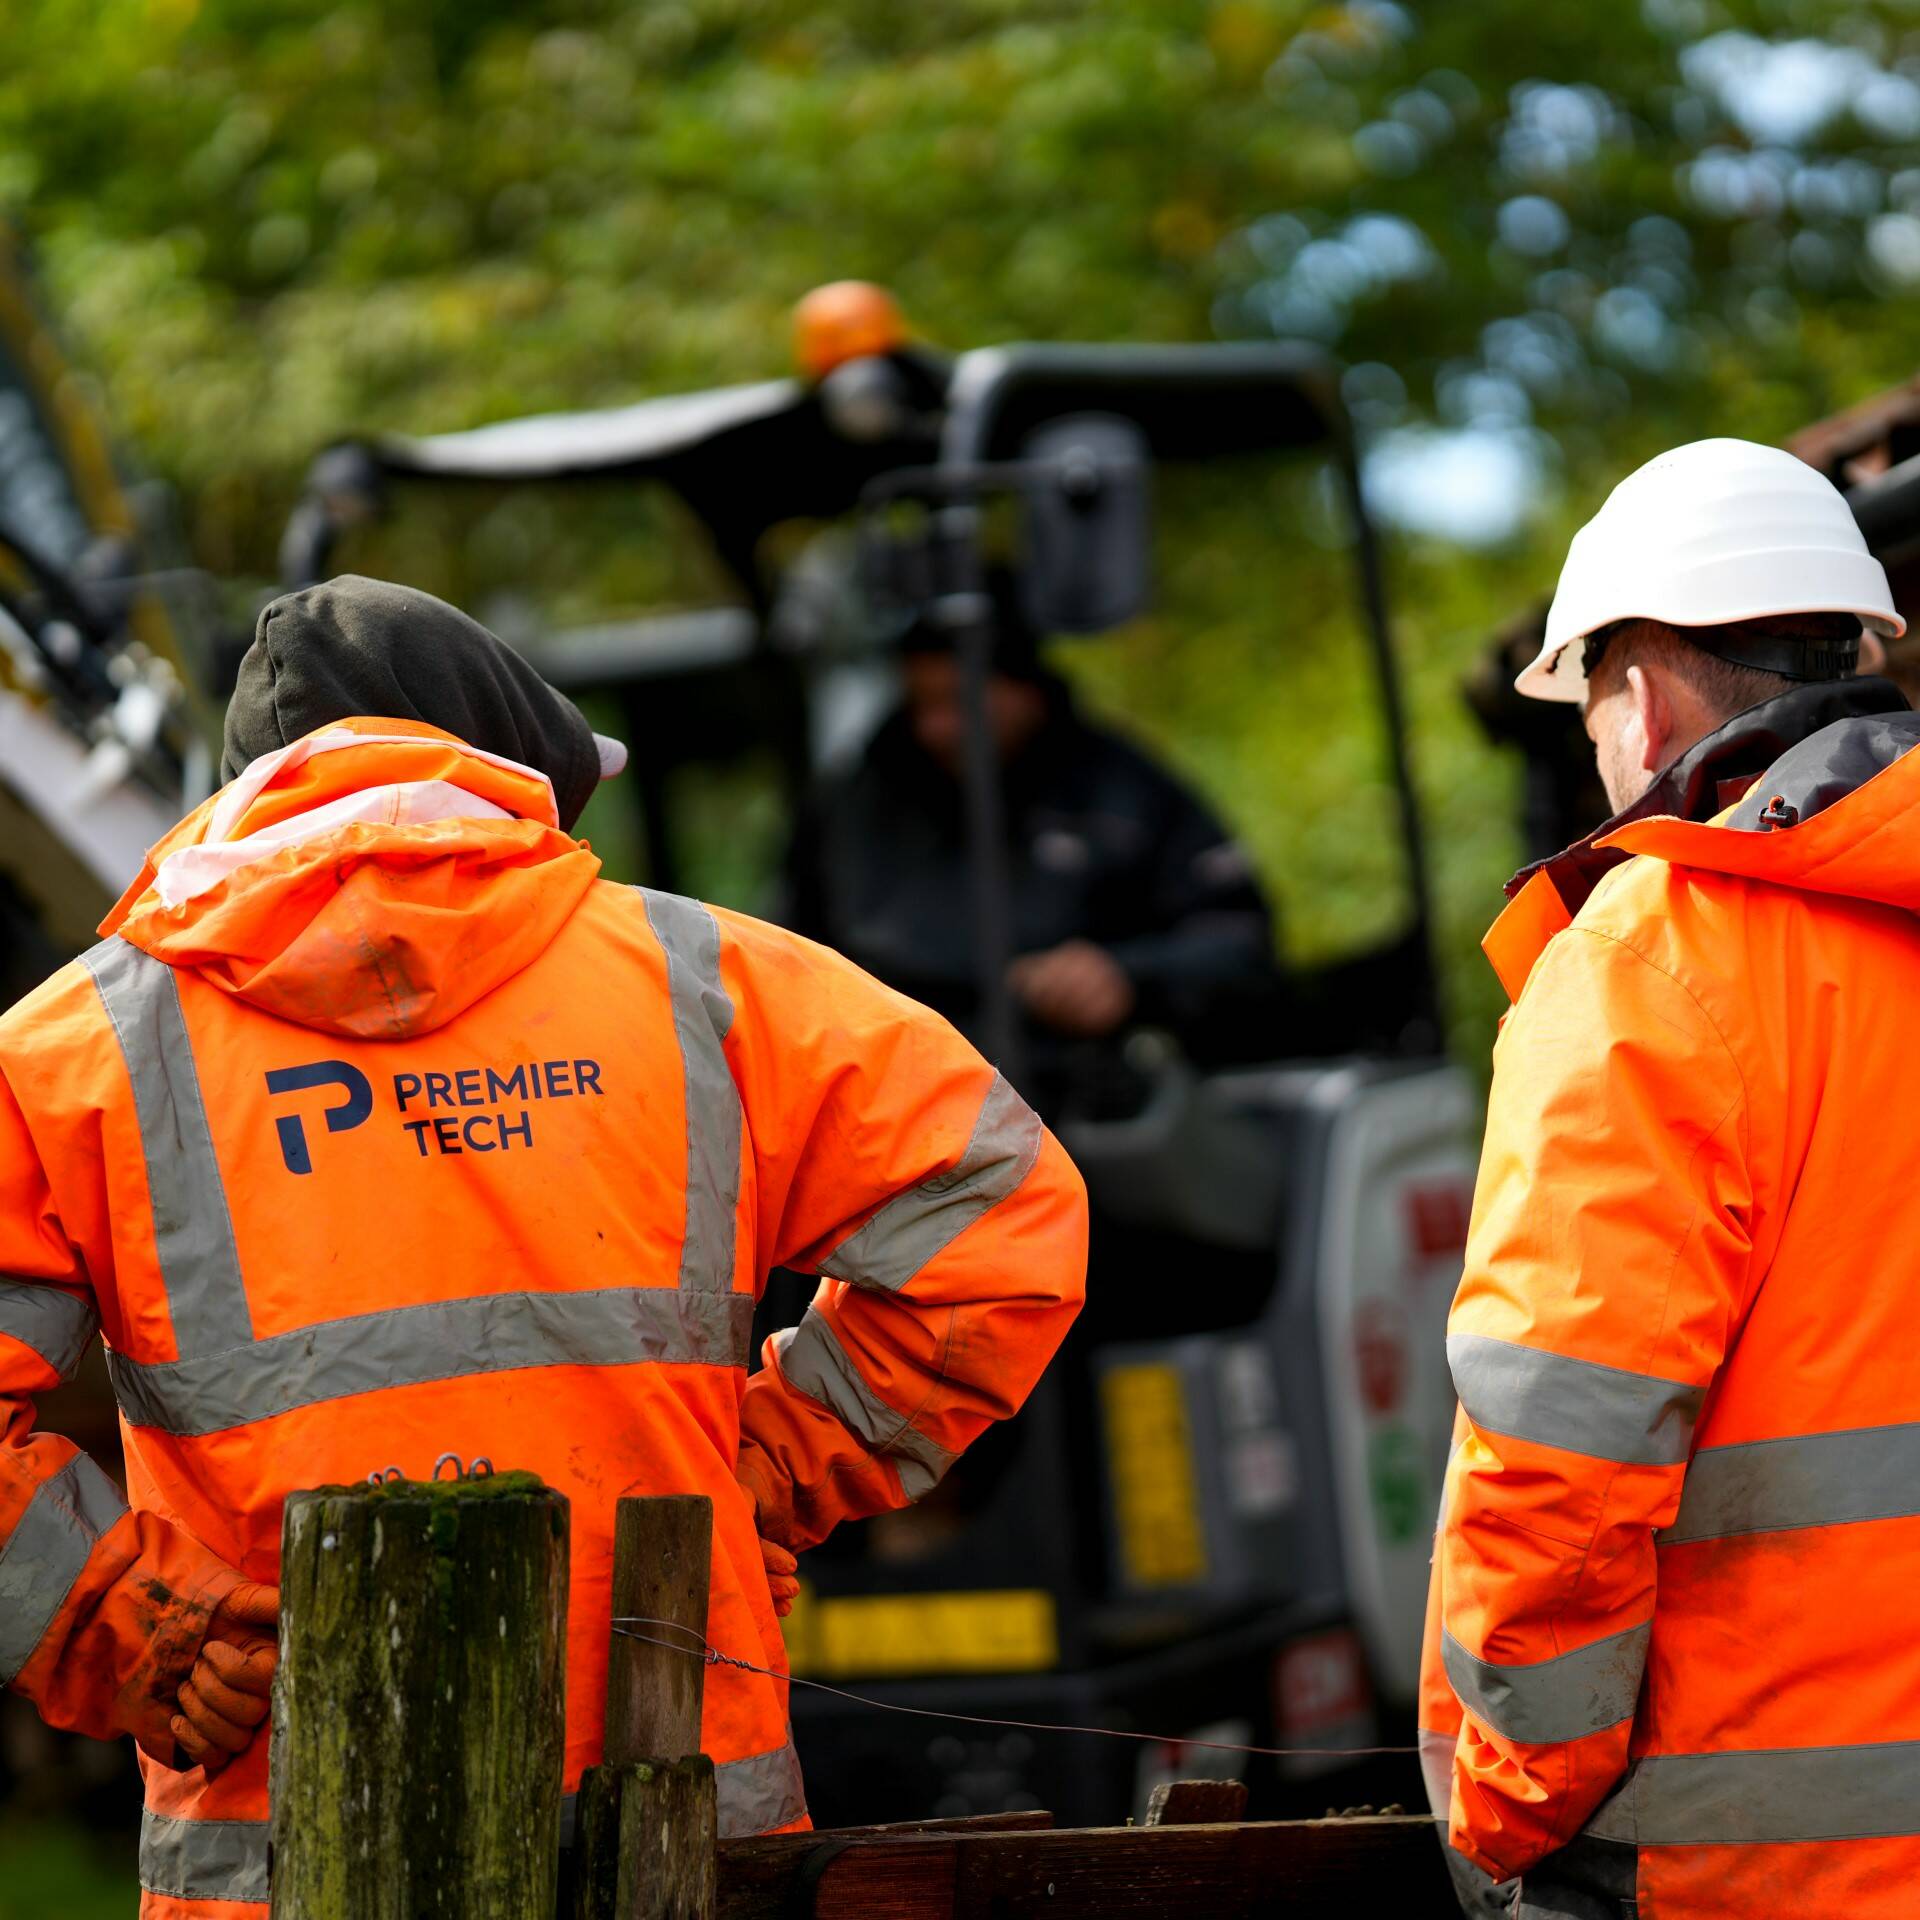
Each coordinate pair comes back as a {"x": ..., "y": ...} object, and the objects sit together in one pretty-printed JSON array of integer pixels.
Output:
[{"x": 1629, "y": 945}]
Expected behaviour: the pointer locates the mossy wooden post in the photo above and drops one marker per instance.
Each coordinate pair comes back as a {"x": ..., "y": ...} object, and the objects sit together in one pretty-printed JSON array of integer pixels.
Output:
[
  {"x": 419, "y": 1717},
  {"x": 647, "y": 1829}
]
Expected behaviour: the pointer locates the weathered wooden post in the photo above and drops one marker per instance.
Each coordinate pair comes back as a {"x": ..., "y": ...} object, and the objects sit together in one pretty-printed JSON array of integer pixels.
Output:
[
  {"x": 645, "y": 1837},
  {"x": 419, "y": 1718}
]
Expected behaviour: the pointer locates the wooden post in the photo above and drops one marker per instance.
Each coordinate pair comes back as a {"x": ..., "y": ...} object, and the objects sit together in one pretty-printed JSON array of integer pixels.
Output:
[
  {"x": 1196, "y": 1803},
  {"x": 646, "y": 1831},
  {"x": 662, "y": 1562},
  {"x": 419, "y": 1717}
]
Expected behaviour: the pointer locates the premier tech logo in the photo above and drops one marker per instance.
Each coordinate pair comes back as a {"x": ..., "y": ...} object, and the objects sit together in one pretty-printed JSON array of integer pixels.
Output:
[{"x": 465, "y": 1110}]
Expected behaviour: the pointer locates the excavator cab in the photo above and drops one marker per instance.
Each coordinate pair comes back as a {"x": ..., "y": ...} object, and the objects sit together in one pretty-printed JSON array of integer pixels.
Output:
[{"x": 1213, "y": 1518}]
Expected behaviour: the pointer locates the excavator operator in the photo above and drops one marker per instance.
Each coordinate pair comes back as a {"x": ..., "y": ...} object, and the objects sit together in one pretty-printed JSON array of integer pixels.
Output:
[
  {"x": 378, "y": 1118},
  {"x": 1130, "y": 903}
]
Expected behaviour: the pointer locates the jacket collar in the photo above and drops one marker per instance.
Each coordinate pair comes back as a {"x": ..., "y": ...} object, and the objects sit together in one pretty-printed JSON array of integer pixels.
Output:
[{"x": 1710, "y": 777}]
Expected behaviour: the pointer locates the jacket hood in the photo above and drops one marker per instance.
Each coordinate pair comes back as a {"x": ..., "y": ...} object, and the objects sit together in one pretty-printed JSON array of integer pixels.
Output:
[
  {"x": 1818, "y": 789},
  {"x": 374, "y": 878}
]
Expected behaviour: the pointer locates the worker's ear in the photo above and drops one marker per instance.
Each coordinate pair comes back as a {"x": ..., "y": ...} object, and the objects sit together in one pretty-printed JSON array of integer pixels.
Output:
[
  {"x": 1873, "y": 652},
  {"x": 1650, "y": 704}
]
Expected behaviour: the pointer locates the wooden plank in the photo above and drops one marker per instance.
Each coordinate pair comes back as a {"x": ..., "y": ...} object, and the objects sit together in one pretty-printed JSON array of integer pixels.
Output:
[
  {"x": 1386, "y": 1866},
  {"x": 662, "y": 1560},
  {"x": 645, "y": 1842},
  {"x": 757, "y": 1874},
  {"x": 418, "y": 1716},
  {"x": 1390, "y": 1866},
  {"x": 1196, "y": 1803}
]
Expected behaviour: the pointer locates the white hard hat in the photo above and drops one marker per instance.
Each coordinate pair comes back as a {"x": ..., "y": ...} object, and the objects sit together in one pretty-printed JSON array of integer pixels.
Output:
[{"x": 1715, "y": 531}]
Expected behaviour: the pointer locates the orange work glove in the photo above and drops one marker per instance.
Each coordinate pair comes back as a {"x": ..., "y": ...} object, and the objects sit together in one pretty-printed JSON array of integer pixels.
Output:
[
  {"x": 225, "y": 1698},
  {"x": 783, "y": 1576}
]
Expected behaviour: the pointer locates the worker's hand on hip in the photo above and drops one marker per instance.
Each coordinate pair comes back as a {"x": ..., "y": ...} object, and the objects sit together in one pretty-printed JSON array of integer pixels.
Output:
[
  {"x": 783, "y": 1576},
  {"x": 226, "y": 1697},
  {"x": 1075, "y": 988}
]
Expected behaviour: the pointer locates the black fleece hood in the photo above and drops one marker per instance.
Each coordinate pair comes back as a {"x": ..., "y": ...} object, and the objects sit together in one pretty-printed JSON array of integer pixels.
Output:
[{"x": 354, "y": 647}]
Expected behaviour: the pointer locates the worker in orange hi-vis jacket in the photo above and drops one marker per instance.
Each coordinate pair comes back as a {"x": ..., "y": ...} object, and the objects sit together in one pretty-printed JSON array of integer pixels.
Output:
[
  {"x": 1674, "y": 1648},
  {"x": 379, "y": 1126}
]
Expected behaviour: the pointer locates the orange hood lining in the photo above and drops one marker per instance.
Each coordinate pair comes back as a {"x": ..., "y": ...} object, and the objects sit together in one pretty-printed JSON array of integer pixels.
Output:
[{"x": 305, "y": 775}]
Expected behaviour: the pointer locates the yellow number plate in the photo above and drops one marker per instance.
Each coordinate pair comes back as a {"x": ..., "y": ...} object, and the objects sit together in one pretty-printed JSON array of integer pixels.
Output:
[
  {"x": 896, "y": 1634},
  {"x": 1150, "y": 1452}
]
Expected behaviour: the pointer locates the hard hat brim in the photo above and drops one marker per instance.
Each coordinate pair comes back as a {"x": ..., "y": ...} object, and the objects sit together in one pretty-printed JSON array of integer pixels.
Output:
[{"x": 1718, "y": 594}]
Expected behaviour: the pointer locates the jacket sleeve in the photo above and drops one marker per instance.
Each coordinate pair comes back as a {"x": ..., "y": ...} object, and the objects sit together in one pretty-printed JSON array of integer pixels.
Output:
[
  {"x": 101, "y": 1610},
  {"x": 1210, "y": 947},
  {"x": 948, "y": 1226},
  {"x": 1480, "y": 1896},
  {"x": 1608, "y": 1254}
]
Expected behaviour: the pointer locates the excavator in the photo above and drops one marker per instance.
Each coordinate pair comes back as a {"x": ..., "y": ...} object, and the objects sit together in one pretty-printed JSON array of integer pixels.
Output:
[
  {"x": 1212, "y": 1520},
  {"x": 99, "y": 742}
]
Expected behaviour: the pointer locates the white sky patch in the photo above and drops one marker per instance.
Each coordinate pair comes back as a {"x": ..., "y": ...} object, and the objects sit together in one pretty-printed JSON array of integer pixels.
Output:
[
  {"x": 1787, "y": 92},
  {"x": 1473, "y": 485}
]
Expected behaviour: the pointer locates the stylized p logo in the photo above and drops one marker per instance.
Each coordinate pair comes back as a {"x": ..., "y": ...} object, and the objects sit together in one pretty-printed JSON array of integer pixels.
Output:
[{"x": 349, "y": 1113}]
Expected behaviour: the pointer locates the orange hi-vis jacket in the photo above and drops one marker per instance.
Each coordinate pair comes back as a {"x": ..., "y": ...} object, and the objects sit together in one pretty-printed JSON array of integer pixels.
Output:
[
  {"x": 380, "y": 1128},
  {"x": 1674, "y": 1654}
]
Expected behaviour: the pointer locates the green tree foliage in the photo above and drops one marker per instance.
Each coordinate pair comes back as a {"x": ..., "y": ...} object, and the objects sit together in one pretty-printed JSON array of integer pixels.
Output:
[{"x": 1549, "y": 235}]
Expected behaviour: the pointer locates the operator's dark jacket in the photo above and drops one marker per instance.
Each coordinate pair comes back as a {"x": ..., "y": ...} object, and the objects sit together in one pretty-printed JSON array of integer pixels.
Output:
[{"x": 1103, "y": 846}]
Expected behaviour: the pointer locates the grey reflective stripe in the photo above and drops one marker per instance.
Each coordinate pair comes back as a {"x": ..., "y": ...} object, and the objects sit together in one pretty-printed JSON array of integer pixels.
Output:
[
  {"x": 47, "y": 1551},
  {"x": 57, "y": 1326},
  {"x": 227, "y": 1859},
  {"x": 192, "y": 1229},
  {"x": 760, "y": 1793},
  {"x": 813, "y": 1361},
  {"x": 1780, "y": 1794},
  {"x": 1481, "y": 1896},
  {"x": 203, "y": 1859},
  {"x": 1813, "y": 1480},
  {"x": 1635, "y": 1418},
  {"x": 437, "y": 1340},
  {"x": 1436, "y": 1771},
  {"x": 702, "y": 1017},
  {"x": 914, "y": 1226},
  {"x": 1547, "y": 1701}
]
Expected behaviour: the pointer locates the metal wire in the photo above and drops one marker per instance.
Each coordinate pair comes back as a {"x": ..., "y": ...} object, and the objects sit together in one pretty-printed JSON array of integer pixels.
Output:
[{"x": 706, "y": 1651}]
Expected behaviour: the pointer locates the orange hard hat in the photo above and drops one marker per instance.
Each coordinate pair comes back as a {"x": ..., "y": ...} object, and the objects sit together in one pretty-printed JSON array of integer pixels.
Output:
[{"x": 842, "y": 321}]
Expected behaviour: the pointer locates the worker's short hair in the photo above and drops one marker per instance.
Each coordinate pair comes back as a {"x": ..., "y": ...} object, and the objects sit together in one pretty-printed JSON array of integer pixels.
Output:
[{"x": 1694, "y": 654}]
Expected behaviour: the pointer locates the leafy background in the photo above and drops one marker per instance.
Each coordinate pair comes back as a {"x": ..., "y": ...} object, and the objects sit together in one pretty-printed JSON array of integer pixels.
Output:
[{"x": 1548, "y": 237}]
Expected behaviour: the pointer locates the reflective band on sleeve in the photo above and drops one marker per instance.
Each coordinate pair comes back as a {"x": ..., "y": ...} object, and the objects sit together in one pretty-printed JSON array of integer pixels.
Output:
[
  {"x": 1436, "y": 1770},
  {"x": 203, "y": 1859},
  {"x": 47, "y": 1551},
  {"x": 1548, "y": 1701},
  {"x": 1814, "y": 1480},
  {"x": 702, "y": 1017},
  {"x": 914, "y": 1226},
  {"x": 1781, "y": 1794},
  {"x": 1481, "y": 1897},
  {"x": 192, "y": 1229},
  {"x": 57, "y": 1326},
  {"x": 759, "y": 1793},
  {"x": 813, "y": 1361},
  {"x": 227, "y": 1859},
  {"x": 437, "y": 1340},
  {"x": 1634, "y": 1418}
]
